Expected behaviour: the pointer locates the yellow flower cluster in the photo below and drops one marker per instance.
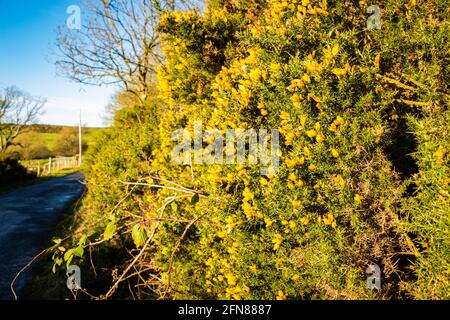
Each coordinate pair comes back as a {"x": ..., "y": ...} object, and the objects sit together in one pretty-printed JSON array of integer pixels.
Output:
[
  {"x": 304, "y": 220},
  {"x": 268, "y": 222},
  {"x": 341, "y": 71},
  {"x": 277, "y": 240},
  {"x": 316, "y": 133},
  {"x": 235, "y": 292},
  {"x": 294, "y": 162},
  {"x": 250, "y": 210},
  {"x": 336, "y": 123},
  {"x": 231, "y": 278},
  {"x": 293, "y": 181},
  {"x": 329, "y": 220},
  {"x": 280, "y": 295},
  {"x": 295, "y": 84},
  {"x": 278, "y": 9},
  {"x": 290, "y": 225},
  {"x": 312, "y": 65},
  {"x": 286, "y": 128},
  {"x": 330, "y": 53},
  {"x": 338, "y": 180}
]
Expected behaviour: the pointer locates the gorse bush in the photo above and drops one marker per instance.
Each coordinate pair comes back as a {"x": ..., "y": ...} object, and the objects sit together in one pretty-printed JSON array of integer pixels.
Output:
[{"x": 364, "y": 169}]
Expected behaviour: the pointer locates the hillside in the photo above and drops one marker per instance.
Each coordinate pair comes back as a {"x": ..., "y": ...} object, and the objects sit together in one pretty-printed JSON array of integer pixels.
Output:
[{"x": 42, "y": 141}]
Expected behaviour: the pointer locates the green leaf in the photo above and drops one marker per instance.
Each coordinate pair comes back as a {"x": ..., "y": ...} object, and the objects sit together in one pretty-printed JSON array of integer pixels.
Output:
[
  {"x": 62, "y": 249},
  {"x": 83, "y": 240},
  {"x": 195, "y": 198},
  {"x": 68, "y": 255},
  {"x": 78, "y": 251},
  {"x": 58, "y": 261},
  {"x": 69, "y": 261},
  {"x": 57, "y": 241},
  {"x": 174, "y": 206},
  {"x": 110, "y": 230},
  {"x": 139, "y": 235}
]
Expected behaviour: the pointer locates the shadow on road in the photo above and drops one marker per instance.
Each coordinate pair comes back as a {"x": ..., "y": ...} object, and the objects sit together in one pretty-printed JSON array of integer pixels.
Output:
[{"x": 28, "y": 217}]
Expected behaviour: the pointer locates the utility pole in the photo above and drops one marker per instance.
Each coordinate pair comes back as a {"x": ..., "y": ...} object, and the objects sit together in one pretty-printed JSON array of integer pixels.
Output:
[{"x": 80, "y": 143}]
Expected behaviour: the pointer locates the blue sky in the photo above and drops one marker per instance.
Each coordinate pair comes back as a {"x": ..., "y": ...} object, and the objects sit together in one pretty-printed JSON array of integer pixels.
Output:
[{"x": 27, "y": 33}]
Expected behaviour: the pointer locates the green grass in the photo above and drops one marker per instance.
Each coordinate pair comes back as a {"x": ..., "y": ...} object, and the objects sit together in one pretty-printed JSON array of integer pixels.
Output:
[
  {"x": 51, "y": 138},
  {"x": 50, "y": 134}
]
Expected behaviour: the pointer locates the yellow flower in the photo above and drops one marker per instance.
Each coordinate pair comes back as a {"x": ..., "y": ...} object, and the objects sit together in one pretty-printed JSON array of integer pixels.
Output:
[
  {"x": 339, "y": 120},
  {"x": 328, "y": 220},
  {"x": 306, "y": 78},
  {"x": 320, "y": 137},
  {"x": 311, "y": 133},
  {"x": 292, "y": 224},
  {"x": 304, "y": 220},
  {"x": 290, "y": 163},
  {"x": 295, "y": 277},
  {"x": 335, "y": 153},
  {"x": 357, "y": 198},
  {"x": 339, "y": 180},
  {"x": 232, "y": 250},
  {"x": 292, "y": 176},
  {"x": 339, "y": 71},
  {"x": 284, "y": 222},
  {"x": 290, "y": 186},
  {"x": 335, "y": 50},
  {"x": 268, "y": 222},
  {"x": 231, "y": 278},
  {"x": 253, "y": 267},
  {"x": 284, "y": 115},
  {"x": 248, "y": 195},
  {"x": 275, "y": 67},
  {"x": 296, "y": 99},
  {"x": 277, "y": 240},
  {"x": 295, "y": 83},
  {"x": 280, "y": 295},
  {"x": 317, "y": 126},
  {"x": 263, "y": 181},
  {"x": 300, "y": 183},
  {"x": 221, "y": 234},
  {"x": 263, "y": 112},
  {"x": 312, "y": 167},
  {"x": 296, "y": 203}
]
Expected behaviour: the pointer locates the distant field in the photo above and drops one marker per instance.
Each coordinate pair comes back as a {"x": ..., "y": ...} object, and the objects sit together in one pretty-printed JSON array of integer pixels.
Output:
[{"x": 50, "y": 133}]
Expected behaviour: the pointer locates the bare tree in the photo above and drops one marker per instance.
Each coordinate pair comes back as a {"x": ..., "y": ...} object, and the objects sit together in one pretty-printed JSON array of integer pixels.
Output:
[
  {"x": 117, "y": 43},
  {"x": 17, "y": 110}
]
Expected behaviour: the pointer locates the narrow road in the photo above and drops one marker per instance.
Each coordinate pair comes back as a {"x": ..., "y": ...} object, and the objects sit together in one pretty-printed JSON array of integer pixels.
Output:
[{"x": 28, "y": 217}]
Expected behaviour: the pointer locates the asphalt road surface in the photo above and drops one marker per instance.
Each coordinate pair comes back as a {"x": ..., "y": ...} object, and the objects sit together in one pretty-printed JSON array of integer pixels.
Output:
[{"x": 28, "y": 217}]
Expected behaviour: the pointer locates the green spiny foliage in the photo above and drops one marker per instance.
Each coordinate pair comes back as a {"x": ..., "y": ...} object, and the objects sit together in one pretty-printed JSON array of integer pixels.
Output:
[{"x": 364, "y": 177}]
